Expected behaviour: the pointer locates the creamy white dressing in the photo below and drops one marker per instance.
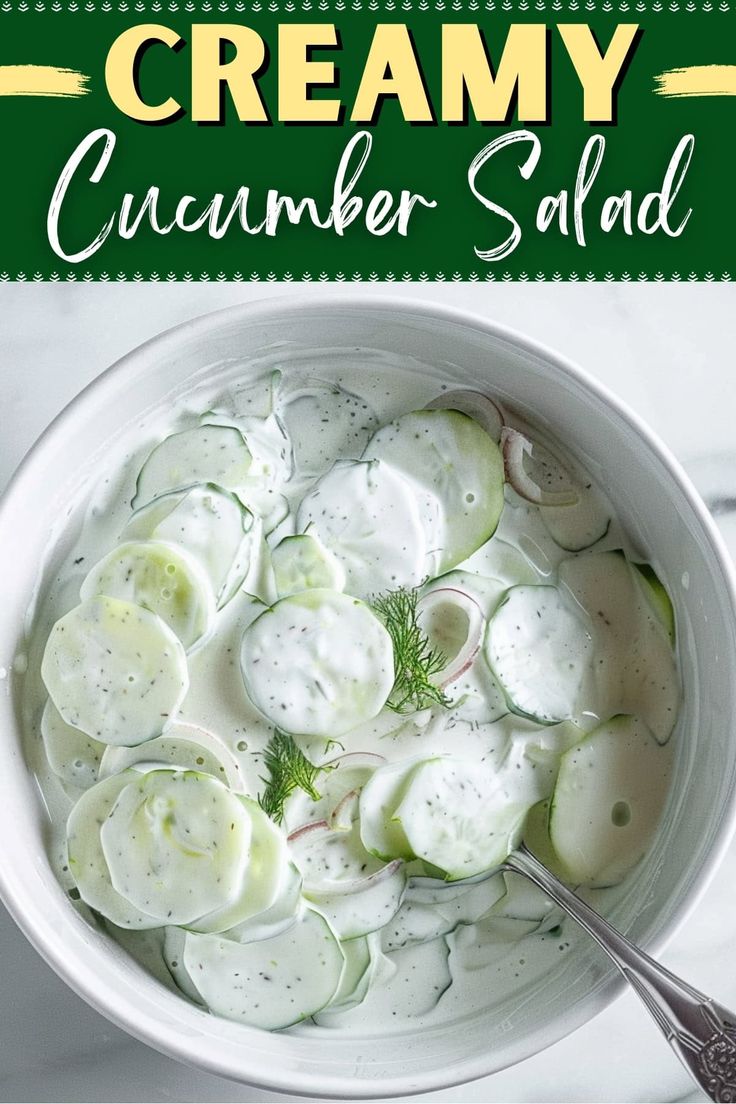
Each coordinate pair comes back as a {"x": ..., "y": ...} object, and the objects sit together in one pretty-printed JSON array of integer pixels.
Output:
[{"x": 432, "y": 960}]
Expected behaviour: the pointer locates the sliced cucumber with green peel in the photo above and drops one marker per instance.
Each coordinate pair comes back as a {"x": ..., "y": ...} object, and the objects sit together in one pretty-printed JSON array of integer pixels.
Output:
[
  {"x": 327, "y": 854},
  {"x": 658, "y": 597},
  {"x": 581, "y": 525},
  {"x": 173, "y": 955},
  {"x": 355, "y": 977},
  {"x": 486, "y": 591},
  {"x": 87, "y": 863},
  {"x": 302, "y": 562},
  {"x": 282, "y": 914},
  {"x": 211, "y": 524},
  {"x": 324, "y": 422},
  {"x": 608, "y": 802},
  {"x": 539, "y": 648},
  {"x": 273, "y": 983},
  {"x": 268, "y": 860},
  {"x": 371, "y": 519},
  {"x": 379, "y": 799},
  {"x": 203, "y": 454},
  {"x": 115, "y": 671},
  {"x": 362, "y": 906},
  {"x": 635, "y": 668},
  {"x": 419, "y": 920},
  {"x": 344, "y": 776},
  {"x": 536, "y": 837},
  {"x": 318, "y": 663},
  {"x": 448, "y": 454},
  {"x": 176, "y": 844},
  {"x": 184, "y": 747},
  {"x": 355, "y": 891},
  {"x": 163, "y": 579},
  {"x": 498, "y": 559},
  {"x": 452, "y": 817},
  {"x": 72, "y": 755}
]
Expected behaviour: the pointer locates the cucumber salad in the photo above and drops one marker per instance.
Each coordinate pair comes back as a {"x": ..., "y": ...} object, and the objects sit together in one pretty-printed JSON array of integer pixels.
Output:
[{"x": 318, "y": 654}]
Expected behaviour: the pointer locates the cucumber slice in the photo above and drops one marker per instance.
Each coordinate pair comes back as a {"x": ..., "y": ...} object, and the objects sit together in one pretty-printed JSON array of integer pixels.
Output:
[
  {"x": 657, "y": 596},
  {"x": 499, "y": 559},
  {"x": 483, "y": 589},
  {"x": 539, "y": 648},
  {"x": 536, "y": 837},
  {"x": 377, "y": 525},
  {"x": 345, "y": 775},
  {"x": 184, "y": 747},
  {"x": 356, "y": 892},
  {"x": 162, "y": 579},
  {"x": 72, "y": 755},
  {"x": 608, "y": 801},
  {"x": 326, "y": 855},
  {"x": 324, "y": 422},
  {"x": 87, "y": 863},
  {"x": 452, "y": 818},
  {"x": 263, "y": 879},
  {"x": 211, "y": 524},
  {"x": 450, "y": 456},
  {"x": 581, "y": 525},
  {"x": 282, "y": 914},
  {"x": 356, "y": 911},
  {"x": 635, "y": 668},
  {"x": 317, "y": 663},
  {"x": 274, "y": 983},
  {"x": 420, "y": 977},
  {"x": 355, "y": 979},
  {"x": 204, "y": 454},
  {"x": 303, "y": 563},
  {"x": 526, "y": 902},
  {"x": 405, "y": 984},
  {"x": 418, "y": 921},
  {"x": 176, "y": 844},
  {"x": 476, "y": 694},
  {"x": 269, "y": 506},
  {"x": 115, "y": 671},
  {"x": 379, "y": 799},
  {"x": 173, "y": 956}
]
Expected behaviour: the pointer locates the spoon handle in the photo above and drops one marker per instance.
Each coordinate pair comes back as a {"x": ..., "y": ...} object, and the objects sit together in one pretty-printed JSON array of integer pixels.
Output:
[{"x": 701, "y": 1032}]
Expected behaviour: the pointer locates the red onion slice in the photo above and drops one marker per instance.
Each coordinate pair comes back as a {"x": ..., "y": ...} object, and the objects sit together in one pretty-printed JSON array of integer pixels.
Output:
[
  {"x": 533, "y": 471},
  {"x": 470, "y": 621},
  {"x": 321, "y": 887},
  {"x": 356, "y": 759},
  {"x": 353, "y": 885},
  {"x": 345, "y": 812},
  {"x": 316, "y": 826},
  {"x": 479, "y": 407}
]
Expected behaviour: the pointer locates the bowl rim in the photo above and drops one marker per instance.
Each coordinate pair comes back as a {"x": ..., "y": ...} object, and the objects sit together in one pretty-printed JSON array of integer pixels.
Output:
[{"x": 41, "y": 933}]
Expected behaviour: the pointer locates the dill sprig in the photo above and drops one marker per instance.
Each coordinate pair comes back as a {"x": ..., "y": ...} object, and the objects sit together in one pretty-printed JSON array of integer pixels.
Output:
[
  {"x": 415, "y": 660},
  {"x": 288, "y": 769}
]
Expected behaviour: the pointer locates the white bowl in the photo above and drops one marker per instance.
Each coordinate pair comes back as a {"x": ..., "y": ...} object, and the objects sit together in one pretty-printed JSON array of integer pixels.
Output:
[{"x": 665, "y": 518}]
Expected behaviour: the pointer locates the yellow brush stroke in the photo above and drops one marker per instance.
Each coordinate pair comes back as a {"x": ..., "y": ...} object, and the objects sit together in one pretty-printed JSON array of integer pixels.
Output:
[
  {"x": 697, "y": 80},
  {"x": 41, "y": 80}
]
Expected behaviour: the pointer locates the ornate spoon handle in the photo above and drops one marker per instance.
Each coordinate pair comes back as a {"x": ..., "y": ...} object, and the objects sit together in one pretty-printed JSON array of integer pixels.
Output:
[{"x": 701, "y": 1032}]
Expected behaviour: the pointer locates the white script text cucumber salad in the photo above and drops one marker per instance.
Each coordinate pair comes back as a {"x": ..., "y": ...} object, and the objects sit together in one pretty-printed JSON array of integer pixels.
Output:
[{"x": 318, "y": 654}]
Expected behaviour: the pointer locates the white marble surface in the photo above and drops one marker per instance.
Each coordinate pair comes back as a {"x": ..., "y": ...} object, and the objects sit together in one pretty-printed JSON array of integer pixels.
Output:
[{"x": 668, "y": 351}]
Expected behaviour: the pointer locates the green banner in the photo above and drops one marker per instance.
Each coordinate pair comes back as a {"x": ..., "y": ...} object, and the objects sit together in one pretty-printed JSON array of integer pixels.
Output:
[{"x": 416, "y": 162}]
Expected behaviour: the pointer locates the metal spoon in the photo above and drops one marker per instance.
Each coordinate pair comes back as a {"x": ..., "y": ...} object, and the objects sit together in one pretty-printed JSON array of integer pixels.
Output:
[{"x": 701, "y": 1032}]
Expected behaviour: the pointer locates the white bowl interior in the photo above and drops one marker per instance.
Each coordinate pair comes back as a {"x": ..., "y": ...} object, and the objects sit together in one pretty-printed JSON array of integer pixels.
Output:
[{"x": 664, "y": 519}]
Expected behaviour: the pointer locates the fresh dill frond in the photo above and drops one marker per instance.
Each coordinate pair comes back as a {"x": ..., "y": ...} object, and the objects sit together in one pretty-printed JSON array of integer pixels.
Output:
[
  {"x": 288, "y": 770},
  {"x": 415, "y": 660}
]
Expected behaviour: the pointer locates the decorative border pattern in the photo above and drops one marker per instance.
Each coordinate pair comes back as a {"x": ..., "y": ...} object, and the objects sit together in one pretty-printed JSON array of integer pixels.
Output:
[
  {"x": 371, "y": 277},
  {"x": 218, "y": 7}
]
